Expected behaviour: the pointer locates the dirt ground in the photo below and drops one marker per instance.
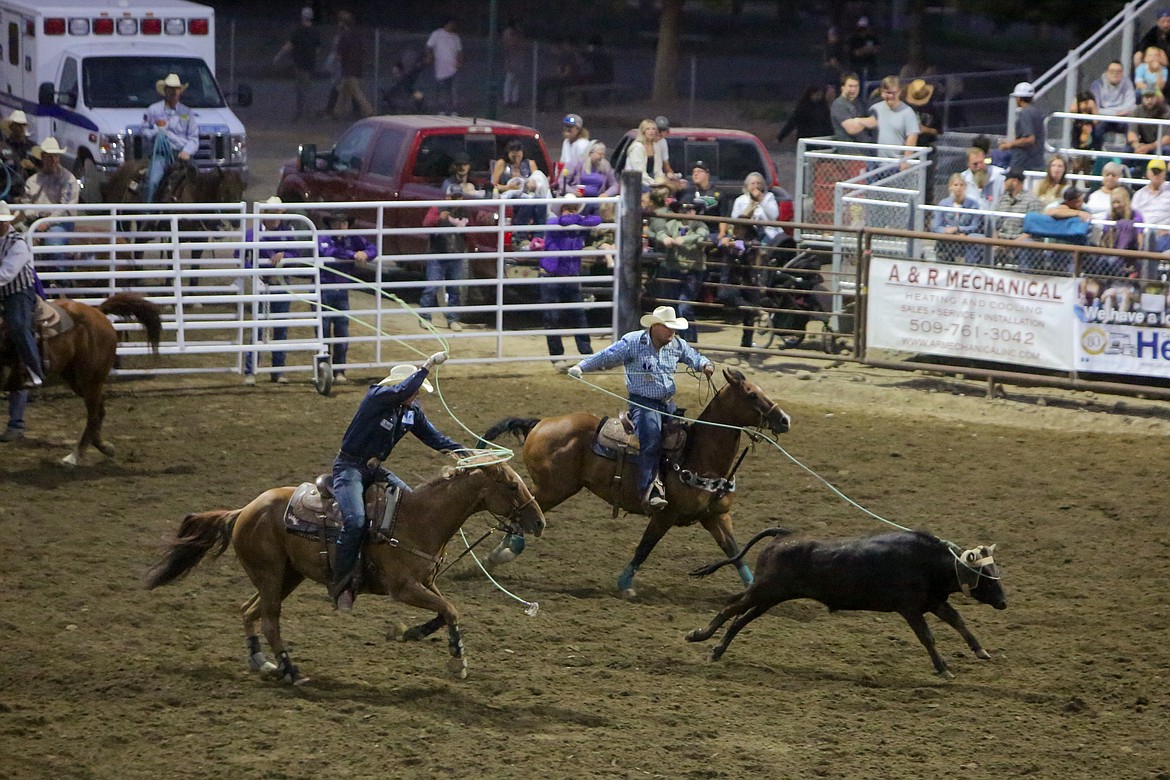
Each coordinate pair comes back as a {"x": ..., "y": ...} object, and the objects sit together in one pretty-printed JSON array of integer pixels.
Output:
[{"x": 103, "y": 679}]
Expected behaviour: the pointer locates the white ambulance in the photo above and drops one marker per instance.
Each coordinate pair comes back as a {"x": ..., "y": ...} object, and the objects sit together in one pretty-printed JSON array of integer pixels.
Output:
[{"x": 84, "y": 71}]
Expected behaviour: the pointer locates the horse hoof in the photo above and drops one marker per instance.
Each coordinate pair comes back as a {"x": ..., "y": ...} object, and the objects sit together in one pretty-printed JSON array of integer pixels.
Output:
[
  {"x": 106, "y": 449},
  {"x": 300, "y": 680},
  {"x": 499, "y": 557},
  {"x": 396, "y": 633},
  {"x": 258, "y": 662},
  {"x": 694, "y": 636},
  {"x": 946, "y": 674},
  {"x": 458, "y": 668},
  {"x": 71, "y": 460},
  {"x": 715, "y": 654},
  {"x": 981, "y": 653},
  {"x": 270, "y": 672},
  {"x": 629, "y": 594}
]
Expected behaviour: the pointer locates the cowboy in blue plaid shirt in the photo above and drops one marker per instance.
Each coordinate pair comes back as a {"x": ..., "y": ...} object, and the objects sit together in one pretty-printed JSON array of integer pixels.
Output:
[{"x": 651, "y": 357}]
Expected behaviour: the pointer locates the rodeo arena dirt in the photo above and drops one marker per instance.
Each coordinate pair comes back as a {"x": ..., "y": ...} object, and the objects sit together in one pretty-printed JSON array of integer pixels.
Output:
[{"x": 567, "y": 666}]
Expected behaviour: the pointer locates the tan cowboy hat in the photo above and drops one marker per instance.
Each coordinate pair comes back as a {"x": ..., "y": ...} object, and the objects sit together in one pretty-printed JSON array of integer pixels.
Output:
[
  {"x": 6, "y": 214},
  {"x": 17, "y": 117},
  {"x": 50, "y": 146},
  {"x": 273, "y": 200},
  {"x": 664, "y": 315},
  {"x": 402, "y": 372},
  {"x": 171, "y": 80},
  {"x": 919, "y": 92}
]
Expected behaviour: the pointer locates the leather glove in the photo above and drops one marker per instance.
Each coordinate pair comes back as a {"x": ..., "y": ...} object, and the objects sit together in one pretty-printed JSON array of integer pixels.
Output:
[
  {"x": 575, "y": 372},
  {"x": 439, "y": 358}
]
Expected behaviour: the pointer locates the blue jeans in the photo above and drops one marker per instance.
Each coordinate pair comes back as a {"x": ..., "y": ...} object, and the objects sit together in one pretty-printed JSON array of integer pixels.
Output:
[
  {"x": 564, "y": 292},
  {"x": 443, "y": 270},
  {"x": 685, "y": 287},
  {"x": 350, "y": 480},
  {"x": 648, "y": 425},
  {"x": 279, "y": 333},
  {"x": 154, "y": 176},
  {"x": 445, "y": 95},
  {"x": 18, "y": 319},
  {"x": 335, "y": 324},
  {"x": 17, "y": 400}
]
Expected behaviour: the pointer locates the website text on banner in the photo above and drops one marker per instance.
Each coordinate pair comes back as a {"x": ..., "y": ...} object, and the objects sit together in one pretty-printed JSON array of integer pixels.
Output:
[
  {"x": 975, "y": 313},
  {"x": 1122, "y": 328}
]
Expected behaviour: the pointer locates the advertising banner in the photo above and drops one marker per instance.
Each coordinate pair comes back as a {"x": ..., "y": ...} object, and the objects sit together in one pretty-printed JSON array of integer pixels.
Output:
[
  {"x": 1121, "y": 328},
  {"x": 971, "y": 312}
]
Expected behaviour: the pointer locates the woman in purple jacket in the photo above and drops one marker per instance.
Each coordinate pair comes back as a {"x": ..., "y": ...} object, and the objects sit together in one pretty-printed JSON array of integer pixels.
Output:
[
  {"x": 343, "y": 254},
  {"x": 569, "y": 266}
]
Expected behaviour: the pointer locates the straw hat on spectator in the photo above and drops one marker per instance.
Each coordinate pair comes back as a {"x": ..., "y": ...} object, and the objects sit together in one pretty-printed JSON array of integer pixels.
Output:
[{"x": 919, "y": 93}]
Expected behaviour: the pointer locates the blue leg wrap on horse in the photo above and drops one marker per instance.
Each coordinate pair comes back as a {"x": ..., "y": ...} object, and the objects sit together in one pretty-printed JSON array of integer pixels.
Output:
[
  {"x": 515, "y": 543},
  {"x": 745, "y": 574},
  {"x": 626, "y": 581}
]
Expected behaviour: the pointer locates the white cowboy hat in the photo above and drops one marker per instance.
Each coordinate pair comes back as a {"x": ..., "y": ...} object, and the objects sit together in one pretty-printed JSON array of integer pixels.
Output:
[
  {"x": 6, "y": 214},
  {"x": 171, "y": 80},
  {"x": 50, "y": 146},
  {"x": 664, "y": 315},
  {"x": 273, "y": 200},
  {"x": 17, "y": 117},
  {"x": 402, "y": 372}
]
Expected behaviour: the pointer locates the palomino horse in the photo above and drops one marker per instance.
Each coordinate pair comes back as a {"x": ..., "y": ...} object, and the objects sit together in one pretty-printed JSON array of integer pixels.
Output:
[
  {"x": 560, "y": 459},
  {"x": 84, "y": 355},
  {"x": 277, "y": 561}
]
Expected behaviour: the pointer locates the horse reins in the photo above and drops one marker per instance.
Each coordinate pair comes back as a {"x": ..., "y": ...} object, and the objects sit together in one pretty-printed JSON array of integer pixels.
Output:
[{"x": 511, "y": 517}]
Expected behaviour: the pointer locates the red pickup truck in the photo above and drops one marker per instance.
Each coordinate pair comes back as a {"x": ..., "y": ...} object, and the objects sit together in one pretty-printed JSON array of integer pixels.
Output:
[{"x": 395, "y": 158}]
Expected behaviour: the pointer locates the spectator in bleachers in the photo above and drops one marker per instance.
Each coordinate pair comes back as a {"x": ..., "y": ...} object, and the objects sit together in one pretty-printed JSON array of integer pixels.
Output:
[
  {"x": 1158, "y": 35},
  {"x": 810, "y": 117},
  {"x": 1114, "y": 92},
  {"x": 1027, "y": 147},
  {"x": 511, "y": 171},
  {"x": 459, "y": 172},
  {"x": 758, "y": 204},
  {"x": 446, "y": 270},
  {"x": 1070, "y": 206},
  {"x": 863, "y": 48},
  {"x": 1016, "y": 200},
  {"x": 954, "y": 223},
  {"x": 1153, "y": 201},
  {"x": 341, "y": 253},
  {"x": 984, "y": 180},
  {"x": 574, "y": 145},
  {"x": 1100, "y": 200},
  {"x": 684, "y": 241},
  {"x": 1152, "y": 73},
  {"x": 593, "y": 175},
  {"x": 1150, "y": 139},
  {"x": 713, "y": 202},
  {"x": 1122, "y": 234},
  {"x": 1087, "y": 134},
  {"x": 897, "y": 121},
  {"x": 1055, "y": 181},
  {"x": 849, "y": 114}
]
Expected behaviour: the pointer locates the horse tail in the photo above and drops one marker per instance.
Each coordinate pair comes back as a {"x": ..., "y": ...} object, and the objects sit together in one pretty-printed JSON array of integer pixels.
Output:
[
  {"x": 199, "y": 534},
  {"x": 520, "y": 426},
  {"x": 703, "y": 571},
  {"x": 148, "y": 314}
]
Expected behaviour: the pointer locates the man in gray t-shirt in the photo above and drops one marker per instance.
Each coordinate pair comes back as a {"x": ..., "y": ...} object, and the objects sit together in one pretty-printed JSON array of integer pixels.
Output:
[
  {"x": 851, "y": 119},
  {"x": 897, "y": 123},
  {"x": 1027, "y": 148}
]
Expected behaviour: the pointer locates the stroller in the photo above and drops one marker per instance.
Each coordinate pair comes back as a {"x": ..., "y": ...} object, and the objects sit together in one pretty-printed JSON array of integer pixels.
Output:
[{"x": 798, "y": 290}]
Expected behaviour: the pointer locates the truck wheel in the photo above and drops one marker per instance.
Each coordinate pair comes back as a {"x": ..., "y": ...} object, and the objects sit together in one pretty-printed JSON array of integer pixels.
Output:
[{"x": 90, "y": 178}]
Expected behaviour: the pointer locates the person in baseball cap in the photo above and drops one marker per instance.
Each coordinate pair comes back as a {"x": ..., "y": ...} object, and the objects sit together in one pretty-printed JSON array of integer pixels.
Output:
[
  {"x": 1026, "y": 149},
  {"x": 1024, "y": 91}
]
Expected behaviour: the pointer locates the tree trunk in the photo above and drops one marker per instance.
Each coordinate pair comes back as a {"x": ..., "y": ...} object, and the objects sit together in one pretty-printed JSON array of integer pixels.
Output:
[{"x": 666, "y": 57}]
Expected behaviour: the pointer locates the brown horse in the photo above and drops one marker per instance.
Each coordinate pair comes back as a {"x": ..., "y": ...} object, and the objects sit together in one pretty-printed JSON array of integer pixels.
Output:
[
  {"x": 277, "y": 561},
  {"x": 560, "y": 459},
  {"x": 182, "y": 184},
  {"x": 84, "y": 356}
]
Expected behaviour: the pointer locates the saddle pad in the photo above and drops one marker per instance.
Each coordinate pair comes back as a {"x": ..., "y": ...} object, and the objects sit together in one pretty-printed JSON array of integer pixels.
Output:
[
  {"x": 611, "y": 439},
  {"x": 308, "y": 511}
]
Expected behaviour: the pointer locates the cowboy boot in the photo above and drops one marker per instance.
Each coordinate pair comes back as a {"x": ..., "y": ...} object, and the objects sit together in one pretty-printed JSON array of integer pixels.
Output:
[{"x": 341, "y": 589}]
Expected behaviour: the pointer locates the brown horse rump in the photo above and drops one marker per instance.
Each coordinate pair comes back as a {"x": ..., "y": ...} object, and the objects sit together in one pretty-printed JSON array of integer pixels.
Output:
[
  {"x": 313, "y": 512},
  {"x": 614, "y": 441}
]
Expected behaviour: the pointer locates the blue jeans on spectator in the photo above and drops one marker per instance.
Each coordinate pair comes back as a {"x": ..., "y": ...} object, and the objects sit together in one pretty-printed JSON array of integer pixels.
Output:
[
  {"x": 648, "y": 425},
  {"x": 683, "y": 286},
  {"x": 445, "y": 95},
  {"x": 565, "y": 292},
  {"x": 279, "y": 333},
  {"x": 18, "y": 320},
  {"x": 444, "y": 270},
  {"x": 336, "y": 324}
]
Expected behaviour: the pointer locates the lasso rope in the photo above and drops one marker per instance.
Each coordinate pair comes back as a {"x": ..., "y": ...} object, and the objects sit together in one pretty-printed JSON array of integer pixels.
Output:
[
  {"x": 754, "y": 434},
  {"x": 470, "y": 457}
]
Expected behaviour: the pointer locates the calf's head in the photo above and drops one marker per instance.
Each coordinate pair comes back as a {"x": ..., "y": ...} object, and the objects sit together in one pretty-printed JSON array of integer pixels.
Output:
[{"x": 979, "y": 576}]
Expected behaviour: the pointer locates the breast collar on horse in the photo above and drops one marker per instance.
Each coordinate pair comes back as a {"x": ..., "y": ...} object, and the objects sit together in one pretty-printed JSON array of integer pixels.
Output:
[{"x": 721, "y": 486}]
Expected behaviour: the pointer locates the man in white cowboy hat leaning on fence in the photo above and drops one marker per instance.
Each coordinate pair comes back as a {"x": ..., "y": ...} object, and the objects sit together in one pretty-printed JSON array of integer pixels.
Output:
[
  {"x": 18, "y": 144},
  {"x": 18, "y": 301},
  {"x": 388, "y": 412},
  {"x": 650, "y": 357},
  {"x": 172, "y": 129},
  {"x": 52, "y": 184}
]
